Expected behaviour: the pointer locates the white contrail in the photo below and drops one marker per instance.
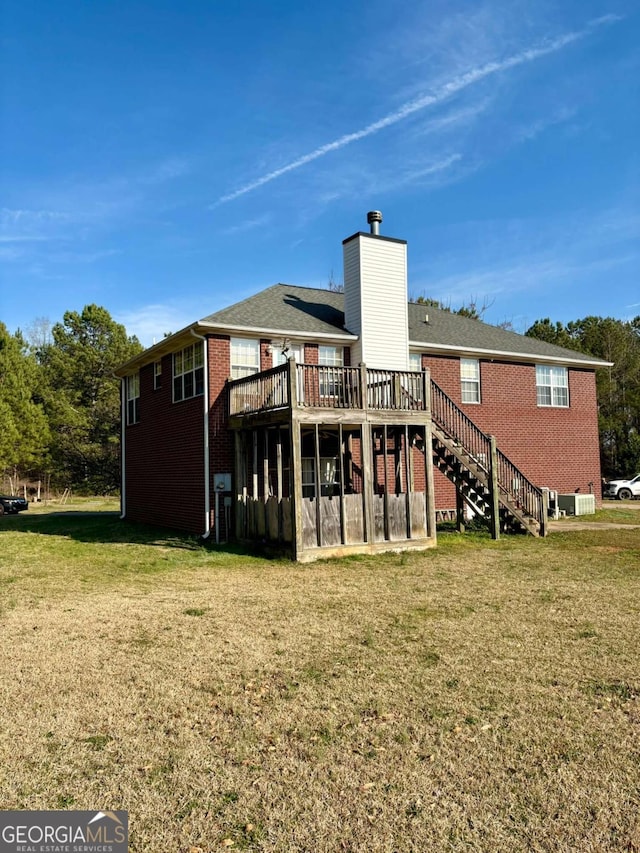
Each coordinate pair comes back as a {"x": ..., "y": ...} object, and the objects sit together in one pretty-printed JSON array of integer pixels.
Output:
[{"x": 445, "y": 91}]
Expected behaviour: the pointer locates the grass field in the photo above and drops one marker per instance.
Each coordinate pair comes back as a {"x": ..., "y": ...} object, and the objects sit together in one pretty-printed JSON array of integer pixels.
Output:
[{"x": 480, "y": 696}]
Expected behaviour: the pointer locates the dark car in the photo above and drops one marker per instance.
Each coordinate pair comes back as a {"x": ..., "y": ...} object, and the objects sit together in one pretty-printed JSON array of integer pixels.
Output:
[{"x": 11, "y": 504}]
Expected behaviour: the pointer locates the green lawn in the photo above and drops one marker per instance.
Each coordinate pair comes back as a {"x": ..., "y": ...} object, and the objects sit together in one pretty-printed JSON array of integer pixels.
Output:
[{"x": 480, "y": 696}]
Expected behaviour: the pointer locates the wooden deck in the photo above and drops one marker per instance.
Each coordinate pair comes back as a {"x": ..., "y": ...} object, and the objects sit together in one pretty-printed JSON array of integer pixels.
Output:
[
  {"x": 386, "y": 414},
  {"x": 316, "y": 393}
]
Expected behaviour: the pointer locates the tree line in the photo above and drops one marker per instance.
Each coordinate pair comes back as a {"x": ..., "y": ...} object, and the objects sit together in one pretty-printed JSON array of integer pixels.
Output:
[
  {"x": 618, "y": 387},
  {"x": 60, "y": 399}
]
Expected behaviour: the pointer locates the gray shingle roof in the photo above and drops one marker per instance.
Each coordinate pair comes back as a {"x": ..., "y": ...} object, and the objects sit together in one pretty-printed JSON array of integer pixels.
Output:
[
  {"x": 306, "y": 310},
  {"x": 285, "y": 307}
]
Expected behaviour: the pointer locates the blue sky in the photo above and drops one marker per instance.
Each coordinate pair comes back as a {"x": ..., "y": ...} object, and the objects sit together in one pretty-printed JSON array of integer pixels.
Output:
[{"x": 165, "y": 159}]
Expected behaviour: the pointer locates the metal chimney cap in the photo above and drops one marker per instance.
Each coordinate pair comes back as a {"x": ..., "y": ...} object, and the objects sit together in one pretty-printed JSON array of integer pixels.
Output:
[{"x": 374, "y": 218}]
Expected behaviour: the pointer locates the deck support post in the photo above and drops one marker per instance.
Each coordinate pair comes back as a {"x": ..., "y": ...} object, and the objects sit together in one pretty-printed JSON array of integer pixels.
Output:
[
  {"x": 428, "y": 455},
  {"x": 408, "y": 478},
  {"x": 254, "y": 470},
  {"x": 265, "y": 468},
  {"x": 460, "y": 525},
  {"x": 318, "y": 485},
  {"x": 279, "y": 481},
  {"x": 386, "y": 483},
  {"x": 241, "y": 486},
  {"x": 295, "y": 456},
  {"x": 367, "y": 481},
  {"x": 341, "y": 453},
  {"x": 494, "y": 495},
  {"x": 544, "y": 520}
]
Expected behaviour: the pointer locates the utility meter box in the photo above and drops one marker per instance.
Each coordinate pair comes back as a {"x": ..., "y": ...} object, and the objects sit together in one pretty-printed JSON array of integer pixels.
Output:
[{"x": 222, "y": 482}]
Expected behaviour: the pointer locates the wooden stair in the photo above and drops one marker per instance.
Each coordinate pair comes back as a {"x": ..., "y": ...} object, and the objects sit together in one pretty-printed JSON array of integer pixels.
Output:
[{"x": 486, "y": 480}]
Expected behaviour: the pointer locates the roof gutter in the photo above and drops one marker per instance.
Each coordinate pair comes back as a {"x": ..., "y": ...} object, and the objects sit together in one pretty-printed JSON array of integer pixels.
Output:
[
  {"x": 207, "y": 484},
  {"x": 515, "y": 356},
  {"x": 168, "y": 344},
  {"x": 288, "y": 333}
]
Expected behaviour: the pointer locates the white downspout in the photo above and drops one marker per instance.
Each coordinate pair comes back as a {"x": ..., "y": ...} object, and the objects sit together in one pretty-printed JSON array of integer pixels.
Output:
[
  {"x": 207, "y": 485},
  {"x": 123, "y": 467}
]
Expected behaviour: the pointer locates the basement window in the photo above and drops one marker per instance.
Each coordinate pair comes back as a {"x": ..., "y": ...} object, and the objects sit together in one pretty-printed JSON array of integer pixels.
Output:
[
  {"x": 188, "y": 373},
  {"x": 470, "y": 380},
  {"x": 133, "y": 398},
  {"x": 552, "y": 386}
]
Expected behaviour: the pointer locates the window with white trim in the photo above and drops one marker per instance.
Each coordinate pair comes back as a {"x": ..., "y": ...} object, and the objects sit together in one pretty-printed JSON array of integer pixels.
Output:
[
  {"x": 245, "y": 357},
  {"x": 470, "y": 380},
  {"x": 157, "y": 375},
  {"x": 329, "y": 476},
  {"x": 188, "y": 372},
  {"x": 330, "y": 380},
  {"x": 293, "y": 350},
  {"x": 133, "y": 398},
  {"x": 415, "y": 361},
  {"x": 552, "y": 386}
]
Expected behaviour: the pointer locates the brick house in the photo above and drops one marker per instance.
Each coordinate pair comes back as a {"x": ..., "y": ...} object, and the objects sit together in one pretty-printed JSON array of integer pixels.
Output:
[{"x": 345, "y": 422}]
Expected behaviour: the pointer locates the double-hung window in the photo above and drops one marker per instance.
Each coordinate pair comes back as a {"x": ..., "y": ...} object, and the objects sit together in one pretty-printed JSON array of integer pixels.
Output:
[
  {"x": 552, "y": 386},
  {"x": 330, "y": 380},
  {"x": 470, "y": 380},
  {"x": 188, "y": 372},
  {"x": 133, "y": 398},
  {"x": 157, "y": 375},
  {"x": 245, "y": 357},
  {"x": 415, "y": 361}
]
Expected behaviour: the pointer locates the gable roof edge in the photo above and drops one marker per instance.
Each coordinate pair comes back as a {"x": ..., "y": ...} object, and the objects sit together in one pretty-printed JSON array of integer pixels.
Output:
[
  {"x": 264, "y": 332},
  {"x": 452, "y": 349}
]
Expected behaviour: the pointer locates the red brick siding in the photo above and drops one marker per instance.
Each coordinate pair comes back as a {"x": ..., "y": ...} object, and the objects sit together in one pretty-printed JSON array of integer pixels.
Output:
[
  {"x": 266, "y": 354},
  {"x": 553, "y": 447},
  {"x": 164, "y": 457},
  {"x": 221, "y": 452},
  {"x": 164, "y": 452},
  {"x": 311, "y": 353}
]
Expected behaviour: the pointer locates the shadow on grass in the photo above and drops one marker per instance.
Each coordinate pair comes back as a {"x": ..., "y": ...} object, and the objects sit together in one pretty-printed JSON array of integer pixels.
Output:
[{"x": 107, "y": 527}]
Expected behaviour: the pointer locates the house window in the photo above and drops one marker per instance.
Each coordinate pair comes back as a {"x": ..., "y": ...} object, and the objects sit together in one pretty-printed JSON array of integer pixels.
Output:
[
  {"x": 415, "y": 361},
  {"x": 188, "y": 373},
  {"x": 293, "y": 350},
  {"x": 330, "y": 380},
  {"x": 245, "y": 357},
  {"x": 329, "y": 476},
  {"x": 470, "y": 380},
  {"x": 157, "y": 375},
  {"x": 552, "y": 386},
  {"x": 133, "y": 398}
]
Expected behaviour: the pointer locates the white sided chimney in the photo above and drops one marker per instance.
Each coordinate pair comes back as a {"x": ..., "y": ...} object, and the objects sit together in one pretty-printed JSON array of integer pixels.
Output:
[{"x": 375, "y": 297}]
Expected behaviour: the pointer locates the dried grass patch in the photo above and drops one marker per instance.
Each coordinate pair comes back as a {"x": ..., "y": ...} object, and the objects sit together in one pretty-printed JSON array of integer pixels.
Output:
[{"x": 481, "y": 696}]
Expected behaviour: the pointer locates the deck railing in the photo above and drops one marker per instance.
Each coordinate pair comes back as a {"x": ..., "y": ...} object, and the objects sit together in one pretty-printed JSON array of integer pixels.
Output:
[
  {"x": 395, "y": 389},
  {"x": 326, "y": 387},
  {"x": 512, "y": 483},
  {"x": 259, "y": 392}
]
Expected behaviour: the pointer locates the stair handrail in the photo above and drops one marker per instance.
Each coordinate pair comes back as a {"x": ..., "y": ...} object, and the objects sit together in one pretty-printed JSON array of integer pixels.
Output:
[
  {"x": 459, "y": 427},
  {"x": 512, "y": 483}
]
